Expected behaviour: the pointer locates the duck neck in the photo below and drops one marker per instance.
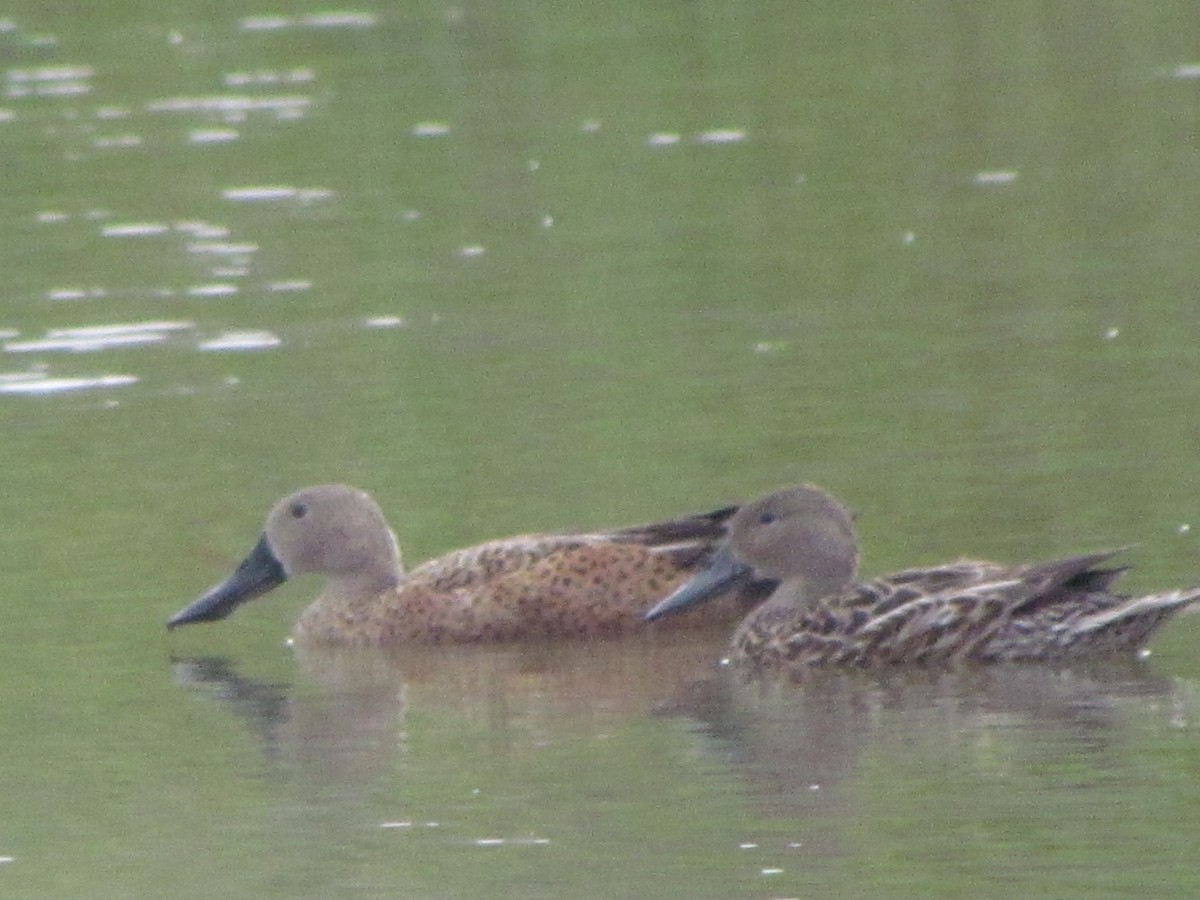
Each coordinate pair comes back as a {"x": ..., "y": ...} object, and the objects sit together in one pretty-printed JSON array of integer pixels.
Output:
[{"x": 798, "y": 592}]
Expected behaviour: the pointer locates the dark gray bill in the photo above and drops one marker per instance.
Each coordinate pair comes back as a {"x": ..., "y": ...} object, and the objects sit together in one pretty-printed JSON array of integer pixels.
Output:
[
  {"x": 257, "y": 574},
  {"x": 722, "y": 572}
]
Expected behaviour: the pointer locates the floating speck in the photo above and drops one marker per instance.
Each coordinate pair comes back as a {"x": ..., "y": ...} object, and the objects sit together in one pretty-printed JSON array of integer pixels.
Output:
[
  {"x": 174, "y": 37},
  {"x": 202, "y": 230},
  {"x": 117, "y": 142},
  {"x": 241, "y": 340},
  {"x": 233, "y": 107},
  {"x": 51, "y": 216},
  {"x": 289, "y": 286},
  {"x": 215, "y": 289},
  {"x": 5, "y": 859},
  {"x": 533, "y": 165},
  {"x": 339, "y": 20},
  {"x": 151, "y": 327},
  {"x": 98, "y": 337},
  {"x": 7, "y": 115},
  {"x": 772, "y": 871},
  {"x": 384, "y": 322},
  {"x": 134, "y": 229},
  {"x": 410, "y": 215},
  {"x": 663, "y": 139},
  {"x": 768, "y": 346},
  {"x": 269, "y": 76},
  {"x": 38, "y": 383},
  {"x": 489, "y": 842},
  {"x": 995, "y": 177},
  {"x": 721, "y": 136},
  {"x": 794, "y": 845},
  {"x": 108, "y": 113},
  {"x": 1111, "y": 333},
  {"x": 907, "y": 237},
  {"x": 265, "y": 23},
  {"x": 1183, "y": 528},
  {"x": 814, "y": 787},
  {"x": 395, "y": 825},
  {"x": 1190, "y": 70},
  {"x": 51, "y": 73},
  {"x": 258, "y": 194},
  {"x": 221, "y": 248},
  {"x": 1144, "y": 653},
  {"x": 234, "y": 381},
  {"x": 430, "y": 129},
  {"x": 212, "y": 135},
  {"x": 76, "y": 294},
  {"x": 747, "y": 846},
  {"x": 81, "y": 344},
  {"x": 470, "y": 251},
  {"x": 589, "y": 126},
  {"x": 547, "y": 221}
]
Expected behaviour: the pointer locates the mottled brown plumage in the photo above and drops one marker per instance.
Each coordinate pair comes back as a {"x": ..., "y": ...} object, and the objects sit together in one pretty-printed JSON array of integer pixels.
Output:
[
  {"x": 558, "y": 585},
  {"x": 967, "y": 610}
]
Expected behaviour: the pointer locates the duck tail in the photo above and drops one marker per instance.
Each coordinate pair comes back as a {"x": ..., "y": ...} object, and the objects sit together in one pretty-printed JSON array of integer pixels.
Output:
[
  {"x": 1132, "y": 623},
  {"x": 709, "y": 527}
]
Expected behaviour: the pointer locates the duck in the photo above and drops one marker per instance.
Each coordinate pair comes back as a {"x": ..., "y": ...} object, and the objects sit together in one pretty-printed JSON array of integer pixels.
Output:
[
  {"x": 969, "y": 610},
  {"x": 524, "y": 587}
]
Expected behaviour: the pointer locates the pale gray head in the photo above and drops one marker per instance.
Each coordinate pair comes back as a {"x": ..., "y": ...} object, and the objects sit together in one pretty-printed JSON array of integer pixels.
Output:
[
  {"x": 799, "y": 535},
  {"x": 331, "y": 529},
  {"x": 798, "y": 532}
]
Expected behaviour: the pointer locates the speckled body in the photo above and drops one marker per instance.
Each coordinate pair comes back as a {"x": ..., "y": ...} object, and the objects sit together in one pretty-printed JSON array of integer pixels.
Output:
[
  {"x": 527, "y": 587},
  {"x": 522, "y": 588}
]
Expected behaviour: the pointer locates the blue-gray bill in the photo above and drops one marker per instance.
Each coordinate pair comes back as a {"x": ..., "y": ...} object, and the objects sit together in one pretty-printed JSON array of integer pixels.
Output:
[
  {"x": 257, "y": 574},
  {"x": 722, "y": 572}
]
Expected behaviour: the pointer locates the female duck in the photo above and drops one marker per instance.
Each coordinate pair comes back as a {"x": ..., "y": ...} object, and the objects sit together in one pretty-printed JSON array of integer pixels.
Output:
[
  {"x": 523, "y": 587},
  {"x": 966, "y": 610}
]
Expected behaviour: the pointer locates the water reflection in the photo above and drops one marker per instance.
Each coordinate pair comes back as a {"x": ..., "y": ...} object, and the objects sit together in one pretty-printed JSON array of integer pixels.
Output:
[
  {"x": 354, "y": 709},
  {"x": 797, "y": 744}
]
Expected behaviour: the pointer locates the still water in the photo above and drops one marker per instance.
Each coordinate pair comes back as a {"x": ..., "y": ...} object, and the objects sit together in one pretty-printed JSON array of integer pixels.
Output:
[{"x": 520, "y": 267}]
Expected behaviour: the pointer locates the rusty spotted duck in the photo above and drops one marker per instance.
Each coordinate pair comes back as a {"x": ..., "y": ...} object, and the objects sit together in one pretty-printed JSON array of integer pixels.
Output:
[
  {"x": 968, "y": 610},
  {"x": 531, "y": 586}
]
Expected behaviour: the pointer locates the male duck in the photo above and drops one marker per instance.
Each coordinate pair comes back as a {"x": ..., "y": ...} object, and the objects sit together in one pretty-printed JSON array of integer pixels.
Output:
[
  {"x": 967, "y": 610},
  {"x": 523, "y": 587}
]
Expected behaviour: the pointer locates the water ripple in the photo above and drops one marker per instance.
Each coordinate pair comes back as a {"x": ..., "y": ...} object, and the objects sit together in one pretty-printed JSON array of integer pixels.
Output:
[{"x": 39, "y": 383}]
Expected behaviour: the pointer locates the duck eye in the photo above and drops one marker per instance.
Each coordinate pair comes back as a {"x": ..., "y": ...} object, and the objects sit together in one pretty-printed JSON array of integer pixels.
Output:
[
  {"x": 767, "y": 518},
  {"x": 298, "y": 510}
]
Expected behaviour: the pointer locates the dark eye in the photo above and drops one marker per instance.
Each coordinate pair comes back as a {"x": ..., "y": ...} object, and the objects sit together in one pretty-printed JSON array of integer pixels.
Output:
[
  {"x": 767, "y": 518},
  {"x": 298, "y": 510}
]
